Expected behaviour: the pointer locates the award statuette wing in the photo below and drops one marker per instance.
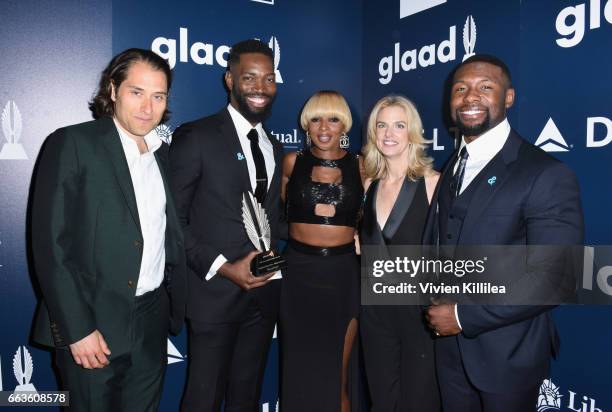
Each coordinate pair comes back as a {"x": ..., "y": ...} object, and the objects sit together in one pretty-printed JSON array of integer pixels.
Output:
[{"x": 258, "y": 230}]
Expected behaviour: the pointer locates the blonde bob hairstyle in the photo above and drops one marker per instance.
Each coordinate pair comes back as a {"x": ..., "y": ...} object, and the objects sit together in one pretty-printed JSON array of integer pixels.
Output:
[
  {"x": 326, "y": 103},
  {"x": 375, "y": 163}
]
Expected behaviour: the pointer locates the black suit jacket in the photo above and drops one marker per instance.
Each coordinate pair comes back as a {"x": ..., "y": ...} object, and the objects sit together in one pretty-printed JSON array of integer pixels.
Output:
[
  {"x": 87, "y": 241},
  {"x": 209, "y": 176},
  {"x": 534, "y": 200}
]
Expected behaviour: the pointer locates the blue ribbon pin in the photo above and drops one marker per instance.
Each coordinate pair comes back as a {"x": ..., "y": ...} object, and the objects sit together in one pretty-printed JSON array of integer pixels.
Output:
[
  {"x": 239, "y": 156},
  {"x": 492, "y": 180}
]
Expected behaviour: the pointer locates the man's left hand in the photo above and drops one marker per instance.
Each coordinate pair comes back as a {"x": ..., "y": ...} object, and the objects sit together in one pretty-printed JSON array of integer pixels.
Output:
[{"x": 441, "y": 318}]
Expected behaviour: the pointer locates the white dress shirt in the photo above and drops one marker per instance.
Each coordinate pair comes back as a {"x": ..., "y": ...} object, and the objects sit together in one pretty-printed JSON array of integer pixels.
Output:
[
  {"x": 480, "y": 152},
  {"x": 151, "y": 203},
  {"x": 243, "y": 127}
]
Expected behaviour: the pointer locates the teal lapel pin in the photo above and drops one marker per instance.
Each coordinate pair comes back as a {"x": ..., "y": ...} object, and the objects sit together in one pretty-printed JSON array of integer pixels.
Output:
[
  {"x": 239, "y": 156},
  {"x": 492, "y": 180}
]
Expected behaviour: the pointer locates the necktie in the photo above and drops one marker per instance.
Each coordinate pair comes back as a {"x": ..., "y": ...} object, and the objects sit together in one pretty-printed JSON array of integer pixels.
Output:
[
  {"x": 457, "y": 179},
  {"x": 261, "y": 178}
]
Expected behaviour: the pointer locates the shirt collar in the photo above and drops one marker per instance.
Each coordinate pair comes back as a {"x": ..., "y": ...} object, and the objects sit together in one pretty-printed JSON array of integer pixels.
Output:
[
  {"x": 152, "y": 139},
  {"x": 243, "y": 126},
  {"x": 488, "y": 144}
]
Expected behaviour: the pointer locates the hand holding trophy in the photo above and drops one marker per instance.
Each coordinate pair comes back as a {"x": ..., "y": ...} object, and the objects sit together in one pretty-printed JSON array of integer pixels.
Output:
[{"x": 258, "y": 230}]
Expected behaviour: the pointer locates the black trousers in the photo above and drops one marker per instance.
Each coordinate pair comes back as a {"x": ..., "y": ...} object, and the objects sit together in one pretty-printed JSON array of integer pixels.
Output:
[
  {"x": 460, "y": 395},
  {"x": 399, "y": 359},
  {"x": 227, "y": 362},
  {"x": 133, "y": 380}
]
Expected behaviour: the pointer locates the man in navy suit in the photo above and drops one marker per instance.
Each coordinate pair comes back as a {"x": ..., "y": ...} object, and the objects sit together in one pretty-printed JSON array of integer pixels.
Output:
[{"x": 498, "y": 189}]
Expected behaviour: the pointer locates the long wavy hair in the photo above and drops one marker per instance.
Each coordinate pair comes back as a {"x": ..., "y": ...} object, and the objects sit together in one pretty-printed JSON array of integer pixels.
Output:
[
  {"x": 116, "y": 72},
  {"x": 375, "y": 163}
]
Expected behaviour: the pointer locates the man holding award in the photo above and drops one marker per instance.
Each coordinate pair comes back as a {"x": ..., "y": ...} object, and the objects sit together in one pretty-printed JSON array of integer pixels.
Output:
[{"x": 225, "y": 175}]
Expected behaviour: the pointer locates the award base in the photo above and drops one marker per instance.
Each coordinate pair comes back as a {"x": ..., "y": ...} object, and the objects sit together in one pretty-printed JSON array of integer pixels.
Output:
[{"x": 267, "y": 262}]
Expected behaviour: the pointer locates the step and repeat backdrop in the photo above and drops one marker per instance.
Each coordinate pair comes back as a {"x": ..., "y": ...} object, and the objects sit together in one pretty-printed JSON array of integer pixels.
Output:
[
  {"x": 558, "y": 53},
  {"x": 52, "y": 56}
]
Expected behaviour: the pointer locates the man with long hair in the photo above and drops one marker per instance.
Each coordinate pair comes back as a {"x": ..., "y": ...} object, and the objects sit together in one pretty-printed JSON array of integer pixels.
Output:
[{"x": 107, "y": 246}]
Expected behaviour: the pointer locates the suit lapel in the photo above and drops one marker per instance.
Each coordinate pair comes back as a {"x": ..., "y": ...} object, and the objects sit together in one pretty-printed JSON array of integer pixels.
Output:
[
  {"x": 112, "y": 143},
  {"x": 161, "y": 156},
  {"x": 232, "y": 142},
  {"x": 400, "y": 207},
  {"x": 489, "y": 180}
]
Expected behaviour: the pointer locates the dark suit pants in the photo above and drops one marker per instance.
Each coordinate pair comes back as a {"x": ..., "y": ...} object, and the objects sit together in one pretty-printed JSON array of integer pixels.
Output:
[
  {"x": 399, "y": 359},
  {"x": 133, "y": 380},
  {"x": 227, "y": 362},
  {"x": 460, "y": 395}
]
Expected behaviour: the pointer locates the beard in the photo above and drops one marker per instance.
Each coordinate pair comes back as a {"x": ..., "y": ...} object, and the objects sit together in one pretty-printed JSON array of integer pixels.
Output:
[
  {"x": 253, "y": 116},
  {"x": 473, "y": 130}
]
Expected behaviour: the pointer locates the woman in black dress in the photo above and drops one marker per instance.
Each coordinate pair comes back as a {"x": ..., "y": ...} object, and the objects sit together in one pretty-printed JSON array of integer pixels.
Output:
[
  {"x": 323, "y": 191},
  {"x": 398, "y": 346}
]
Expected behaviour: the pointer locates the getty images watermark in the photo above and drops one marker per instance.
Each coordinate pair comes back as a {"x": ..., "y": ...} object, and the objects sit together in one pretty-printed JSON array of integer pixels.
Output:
[{"x": 505, "y": 275}]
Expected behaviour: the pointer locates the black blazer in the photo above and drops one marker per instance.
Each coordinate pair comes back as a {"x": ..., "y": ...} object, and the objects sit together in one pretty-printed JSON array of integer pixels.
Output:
[
  {"x": 86, "y": 238},
  {"x": 534, "y": 200},
  {"x": 209, "y": 177}
]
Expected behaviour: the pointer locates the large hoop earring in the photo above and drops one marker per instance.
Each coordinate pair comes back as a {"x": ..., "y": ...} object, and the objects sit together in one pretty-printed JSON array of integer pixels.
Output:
[
  {"x": 308, "y": 141},
  {"x": 344, "y": 141}
]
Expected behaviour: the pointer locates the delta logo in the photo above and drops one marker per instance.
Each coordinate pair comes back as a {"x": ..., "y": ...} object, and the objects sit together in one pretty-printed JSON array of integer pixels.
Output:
[
  {"x": 598, "y": 134},
  {"x": 428, "y": 55}
]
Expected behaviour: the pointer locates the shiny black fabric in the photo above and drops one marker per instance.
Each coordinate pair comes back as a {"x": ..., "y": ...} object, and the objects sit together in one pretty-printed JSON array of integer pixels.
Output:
[{"x": 303, "y": 194}]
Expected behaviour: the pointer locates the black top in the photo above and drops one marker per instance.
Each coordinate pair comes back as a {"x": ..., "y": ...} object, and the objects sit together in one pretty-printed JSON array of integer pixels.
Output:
[
  {"x": 407, "y": 218},
  {"x": 303, "y": 194}
]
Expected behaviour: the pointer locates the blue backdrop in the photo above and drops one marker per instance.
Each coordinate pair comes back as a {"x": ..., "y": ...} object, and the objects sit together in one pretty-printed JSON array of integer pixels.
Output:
[
  {"x": 558, "y": 52},
  {"x": 559, "y": 55}
]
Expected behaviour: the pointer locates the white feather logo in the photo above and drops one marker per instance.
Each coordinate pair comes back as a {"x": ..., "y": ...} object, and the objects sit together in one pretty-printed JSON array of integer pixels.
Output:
[
  {"x": 259, "y": 233},
  {"x": 273, "y": 44},
  {"x": 164, "y": 132},
  {"x": 23, "y": 368},
  {"x": 469, "y": 37},
  {"x": 11, "y": 127}
]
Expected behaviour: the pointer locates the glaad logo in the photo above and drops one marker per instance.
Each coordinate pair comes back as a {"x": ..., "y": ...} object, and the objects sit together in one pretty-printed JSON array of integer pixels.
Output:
[
  {"x": 573, "y": 33},
  {"x": 203, "y": 53},
  {"x": 273, "y": 44},
  {"x": 200, "y": 53},
  {"x": 426, "y": 55},
  {"x": 11, "y": 127},
  {"x": 410, "y": 7},
  {"x": 550, "y": 139},
  {"x": 23, "y": 368},
  {"x": 164, "y": 132},
  {"x": 469, "y": 37},
  {"x": 174, "y": 355},
  {"x": 549, "y": 398}
]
